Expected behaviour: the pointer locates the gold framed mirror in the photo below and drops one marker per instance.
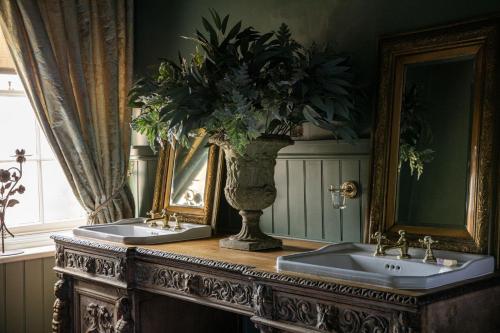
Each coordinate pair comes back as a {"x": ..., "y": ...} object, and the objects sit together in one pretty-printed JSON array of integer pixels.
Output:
[
  {"x": 188, "y": 181},
  {"x": 434, "y": 146}
]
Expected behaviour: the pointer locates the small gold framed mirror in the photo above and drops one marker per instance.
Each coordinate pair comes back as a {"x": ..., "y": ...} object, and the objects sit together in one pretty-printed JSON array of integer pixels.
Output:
[
  {"x": 188, "y": 181},
  {"x": 435, "y": 153}
]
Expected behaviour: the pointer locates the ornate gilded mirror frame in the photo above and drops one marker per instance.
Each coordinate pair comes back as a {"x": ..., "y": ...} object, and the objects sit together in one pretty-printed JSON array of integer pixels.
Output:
[
  {"x": 163, "y": 183},
  {"x": 479, "y": 39}
]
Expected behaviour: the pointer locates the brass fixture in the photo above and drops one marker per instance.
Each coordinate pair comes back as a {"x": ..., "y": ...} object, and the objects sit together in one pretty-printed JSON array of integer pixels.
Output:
[
  {"x": 429, "y": 257},
  {"x": 151, "y": 220},
  {"x": 348, "y": 189},
  {"x": 401, "y": 244},
  {"x": 379, "y": 237},
  {"x": 177, "y": 225},
  {"x": 164, "y": 221}
]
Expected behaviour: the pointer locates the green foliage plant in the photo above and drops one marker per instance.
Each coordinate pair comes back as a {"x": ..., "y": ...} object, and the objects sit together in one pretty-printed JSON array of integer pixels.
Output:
[
  {"x": 415, "y": 134},
  {"x": 240, "y": 84}
]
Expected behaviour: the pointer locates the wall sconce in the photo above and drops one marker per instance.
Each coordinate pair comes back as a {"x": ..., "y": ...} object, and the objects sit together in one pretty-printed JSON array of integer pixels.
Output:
[{"x": 348, "y": 190}]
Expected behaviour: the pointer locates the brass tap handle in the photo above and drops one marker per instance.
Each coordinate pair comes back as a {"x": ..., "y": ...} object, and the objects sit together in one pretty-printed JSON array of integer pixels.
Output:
[
  {"x": 177, "y": 225},
  {"x": 378, "y": 236},
  {"x": 150, "y": 221},
  {"x": 403, "y": 245},
  {"x": 164, "y": 216},
  {"x": 429, "y": 254}
]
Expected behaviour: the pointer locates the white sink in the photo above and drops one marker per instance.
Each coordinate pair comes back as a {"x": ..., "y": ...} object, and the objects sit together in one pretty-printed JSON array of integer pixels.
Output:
[
  {"x": 134, "y": 231},
  {"x": 353, "y": 261}
]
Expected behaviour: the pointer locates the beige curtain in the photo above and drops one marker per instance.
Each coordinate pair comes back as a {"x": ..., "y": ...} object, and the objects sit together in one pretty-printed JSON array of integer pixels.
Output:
[{"x": 75, "y": 59}]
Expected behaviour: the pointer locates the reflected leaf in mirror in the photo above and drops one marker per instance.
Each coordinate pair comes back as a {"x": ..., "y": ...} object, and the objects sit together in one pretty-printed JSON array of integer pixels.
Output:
[
  {"x": 190, "y": 173},
  {"x": 415, "y": 134}
]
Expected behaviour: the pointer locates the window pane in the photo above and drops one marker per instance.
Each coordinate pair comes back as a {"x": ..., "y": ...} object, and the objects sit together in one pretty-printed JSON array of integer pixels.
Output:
[
  {"x": 17, "y": 128},
  {"x": 26, "y": 212},
  {"x": 59, "y": 200},
  {"x": 11, "y": 82},
  {"x": 46, "y": 152}
]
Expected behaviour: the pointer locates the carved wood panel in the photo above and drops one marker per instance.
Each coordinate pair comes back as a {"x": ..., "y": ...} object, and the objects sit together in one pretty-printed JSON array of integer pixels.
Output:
[
  {"x": 101, "y": 309},
  {"x": 321, "y": 316},
  {"x": 96, "y": 316},
  {"x": 92, "y": 264},
  {"x": 214, "y": 289},
  {"x": 61, "y": 308}
]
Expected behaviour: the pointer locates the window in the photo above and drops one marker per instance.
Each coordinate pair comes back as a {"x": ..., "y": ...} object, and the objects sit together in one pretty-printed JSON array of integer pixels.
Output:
[{"x": 48, "y": 202}]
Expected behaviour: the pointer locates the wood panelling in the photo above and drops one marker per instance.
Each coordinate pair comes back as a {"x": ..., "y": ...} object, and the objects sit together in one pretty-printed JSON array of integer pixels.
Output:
[
  {"x": 26, "y": 296},
  {"x": 303, "y": 175}
]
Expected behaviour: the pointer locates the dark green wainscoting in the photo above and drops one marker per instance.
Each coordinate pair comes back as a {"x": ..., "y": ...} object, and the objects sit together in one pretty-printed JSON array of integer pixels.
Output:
[{"x": 303, "y": 207}]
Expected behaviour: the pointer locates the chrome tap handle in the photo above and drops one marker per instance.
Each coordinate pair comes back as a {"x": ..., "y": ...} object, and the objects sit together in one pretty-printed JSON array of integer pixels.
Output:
[
  {"x": 427, "y": 242},
  {"x": 378, "y": 236}
]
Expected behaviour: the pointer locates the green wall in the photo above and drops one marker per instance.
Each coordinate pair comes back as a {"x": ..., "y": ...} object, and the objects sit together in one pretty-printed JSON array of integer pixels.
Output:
[{"x": 353, "y": 26}]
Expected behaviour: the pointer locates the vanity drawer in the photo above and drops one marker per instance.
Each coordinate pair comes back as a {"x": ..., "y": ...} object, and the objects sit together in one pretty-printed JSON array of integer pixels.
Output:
[
  {"x": 223, "y": 291},
  {"x": 96, "y": 265}
]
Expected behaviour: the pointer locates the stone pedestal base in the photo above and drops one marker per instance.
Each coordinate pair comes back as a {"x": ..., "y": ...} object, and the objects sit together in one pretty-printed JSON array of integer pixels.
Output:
[{"x": 250, "y": 237}]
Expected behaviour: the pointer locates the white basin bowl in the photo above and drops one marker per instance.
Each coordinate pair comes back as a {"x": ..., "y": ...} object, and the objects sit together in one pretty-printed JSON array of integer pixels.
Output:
[
  {"x": 354, "y": 261},
  {"x": 134, "y": 231}
]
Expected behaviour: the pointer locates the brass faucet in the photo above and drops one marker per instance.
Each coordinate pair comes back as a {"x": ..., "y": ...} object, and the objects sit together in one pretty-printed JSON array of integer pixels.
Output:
[
  {"x": 429, "y": 257},
  {"x": 401, "y": 244},
  {"x": 151, "y": 220},
  {"x": 164, "y": 221}
]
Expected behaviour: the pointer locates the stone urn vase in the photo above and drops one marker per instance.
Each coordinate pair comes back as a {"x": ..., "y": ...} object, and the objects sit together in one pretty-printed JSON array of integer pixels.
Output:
[{"x": 250, "y": 188}]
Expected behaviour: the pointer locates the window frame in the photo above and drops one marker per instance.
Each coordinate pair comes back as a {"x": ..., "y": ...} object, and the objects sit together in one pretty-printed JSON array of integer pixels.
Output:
[{"x": 26, "y": 234}]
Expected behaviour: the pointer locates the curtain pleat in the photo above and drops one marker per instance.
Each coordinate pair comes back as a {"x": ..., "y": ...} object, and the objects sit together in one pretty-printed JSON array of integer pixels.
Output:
[{"x": 75, "y": 60}]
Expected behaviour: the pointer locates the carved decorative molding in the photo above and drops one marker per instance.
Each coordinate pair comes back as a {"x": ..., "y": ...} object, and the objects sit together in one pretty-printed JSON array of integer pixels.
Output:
[
  {"x": 342, "y": 289},
  {"x": 221, "y": 265},
  {"x": 226, "y": 291},
  {"x": 222, "y": 290},
  {"x": 295, "y": 310},
  {"x": 166, "y": 278},
  {"x": 121, "y": 269},
  {"x": 324, "y": 313},
  {"x": 60, "y": 314},
  {"x": 173, "y": 279},
  {"x": 98, "y": 319},
  {"x": 125, "y": 324},
  {"x": 93, "y": 264},
  {"x": 61, "y": 240},
  {"x": 400, "y": 323},
  {"x": 329, "y": 317},
  {"x": 262, "y": 301},
  {"x": 59, "y": 255}
]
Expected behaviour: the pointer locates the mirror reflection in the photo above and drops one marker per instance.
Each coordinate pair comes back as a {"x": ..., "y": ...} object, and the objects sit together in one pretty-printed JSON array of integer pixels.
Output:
[
  {"x": 434, "y": 143},
  {"x": 190, "y": 174}
]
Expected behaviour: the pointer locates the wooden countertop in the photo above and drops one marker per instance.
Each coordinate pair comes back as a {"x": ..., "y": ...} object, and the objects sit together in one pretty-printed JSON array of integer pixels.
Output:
[{"x": 261, "y": 261}]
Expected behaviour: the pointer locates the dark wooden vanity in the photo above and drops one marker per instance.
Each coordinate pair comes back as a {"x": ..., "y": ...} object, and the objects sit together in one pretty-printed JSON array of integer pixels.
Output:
[{"x": 195, "y": 286}]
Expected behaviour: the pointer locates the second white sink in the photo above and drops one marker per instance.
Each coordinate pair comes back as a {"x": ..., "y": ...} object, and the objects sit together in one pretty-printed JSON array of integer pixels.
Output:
[
  {"x": 353, "y": 261},
  {"x": 134, "y": 231}
]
